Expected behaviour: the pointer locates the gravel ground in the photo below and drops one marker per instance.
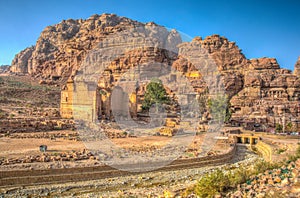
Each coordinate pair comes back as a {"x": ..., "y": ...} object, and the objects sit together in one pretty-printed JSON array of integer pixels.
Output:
[{"x": 151, "y": 184}]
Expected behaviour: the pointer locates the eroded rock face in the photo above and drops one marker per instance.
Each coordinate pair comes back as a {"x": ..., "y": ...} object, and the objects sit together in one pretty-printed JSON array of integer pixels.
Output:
[
  {"x": 60, "y": 48},
  {"x": 270, "y": 95},
  {"x": 4, "y": 68},
  {"x": 229, "y": 60},
  {"x": 297, "y": 67},
  {"x": 258, "y": 89},
  {"x": 20, "y": 64}
]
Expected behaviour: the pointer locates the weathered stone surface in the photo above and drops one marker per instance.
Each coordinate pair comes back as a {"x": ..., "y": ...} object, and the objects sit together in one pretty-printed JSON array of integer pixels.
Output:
[
  {"x": 270, "y": 95},
  {"x": 60, "y": 48},
  {"x": 280, "y": 182},
  {"x": 20, "y": 64},
  {"x": 4, "y": 68},
  {"x": 297, "y": 68},
  {"x": 261, "y": 93}
]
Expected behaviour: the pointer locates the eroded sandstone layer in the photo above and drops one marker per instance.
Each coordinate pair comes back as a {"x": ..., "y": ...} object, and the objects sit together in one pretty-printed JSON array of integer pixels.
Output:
[{"x": 261, "y": 93}]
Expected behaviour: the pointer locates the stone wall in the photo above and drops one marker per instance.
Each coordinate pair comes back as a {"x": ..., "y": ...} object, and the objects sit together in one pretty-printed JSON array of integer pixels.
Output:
[{"x": 265, "y": 150}]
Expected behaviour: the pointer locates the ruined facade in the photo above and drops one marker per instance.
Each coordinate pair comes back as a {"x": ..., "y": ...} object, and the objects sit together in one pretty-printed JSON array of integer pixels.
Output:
[{"x": 270, "y": 95}]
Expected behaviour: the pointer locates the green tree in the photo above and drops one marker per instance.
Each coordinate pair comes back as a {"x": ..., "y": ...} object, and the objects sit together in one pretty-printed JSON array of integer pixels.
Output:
[
  {"x": 155, "y": 94},
  {"x": 289, "y": 126},
  {"x": 219, "y": 107},
  {"x": 228, "y": 112},
  {"x": 278, "y": 128}
]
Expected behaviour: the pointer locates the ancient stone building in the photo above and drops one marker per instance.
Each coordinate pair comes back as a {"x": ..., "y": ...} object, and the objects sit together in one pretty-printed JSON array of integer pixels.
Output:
[{"x": 66, "y": 102}]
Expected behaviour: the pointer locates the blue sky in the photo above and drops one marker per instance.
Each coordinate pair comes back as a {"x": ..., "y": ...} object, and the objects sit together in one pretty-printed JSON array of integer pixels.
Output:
[{"x": 261, "y": 28}]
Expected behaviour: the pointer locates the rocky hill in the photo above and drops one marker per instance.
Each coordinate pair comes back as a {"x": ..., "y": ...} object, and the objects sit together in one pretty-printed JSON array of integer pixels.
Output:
[
  {"x": 261, "y": 93},
  {"x": 61, "y": 48},
  {"x": 4, "y": 68}
]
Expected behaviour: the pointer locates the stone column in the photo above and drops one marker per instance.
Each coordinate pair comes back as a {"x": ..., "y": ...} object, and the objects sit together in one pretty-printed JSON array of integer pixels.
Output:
[
  {"x": 243, "y": 140},
  {"x": 251, "y": 140}
]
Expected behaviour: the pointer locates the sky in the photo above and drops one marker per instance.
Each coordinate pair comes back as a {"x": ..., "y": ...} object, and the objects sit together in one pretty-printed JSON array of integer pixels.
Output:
[{"x": 261, "y": 28}]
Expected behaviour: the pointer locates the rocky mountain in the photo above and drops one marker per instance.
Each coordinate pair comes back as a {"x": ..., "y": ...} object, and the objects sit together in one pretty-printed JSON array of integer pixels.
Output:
[
  {"x": 4, "y": 68},
  {"x": 261, "y": 93},
  {"x": 20, "y": 64},
  {"x": 60, "y": 48}
]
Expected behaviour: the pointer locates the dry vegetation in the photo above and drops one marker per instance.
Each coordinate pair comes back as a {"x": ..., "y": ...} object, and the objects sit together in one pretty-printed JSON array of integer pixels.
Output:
[
  {"x": 224, "y": 183},
  {"x": 23, "y": 91}
]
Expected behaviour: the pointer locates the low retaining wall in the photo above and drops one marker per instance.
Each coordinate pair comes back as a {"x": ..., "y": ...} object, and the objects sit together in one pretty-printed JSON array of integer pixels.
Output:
[{"x": 265, "y": 150}]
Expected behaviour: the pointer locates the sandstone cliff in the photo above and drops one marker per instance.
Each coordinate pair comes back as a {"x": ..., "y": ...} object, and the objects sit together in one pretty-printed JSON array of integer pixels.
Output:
[
  {"x": 20, "y": 64},
  {"x": 60, "y": 48},
  {"x": 297, "y": 68},
  {"x": 258, "y": 89}
]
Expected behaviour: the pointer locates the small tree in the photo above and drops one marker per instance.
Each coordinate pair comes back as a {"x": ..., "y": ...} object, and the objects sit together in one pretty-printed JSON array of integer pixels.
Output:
[
  {"x": 289, "y": 126},
  {"x": 220, "y": 108},
  {"x": 228, "y": 112},
  {"x": 155, "y": 94},
  {"x": 278, "y": 128}
]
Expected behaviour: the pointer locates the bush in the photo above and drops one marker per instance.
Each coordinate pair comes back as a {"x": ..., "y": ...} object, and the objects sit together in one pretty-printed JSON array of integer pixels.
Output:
[
  {"x": 219, "y": 182},
  {"x": 262, "y": 166},
  {"x": 293, "y": 158},
  {"x": 279, "y": 151},
  {"x": 238, "y": 176},
  {"x": 212, "y": 184},
  {"x": 298, "y": 151}
]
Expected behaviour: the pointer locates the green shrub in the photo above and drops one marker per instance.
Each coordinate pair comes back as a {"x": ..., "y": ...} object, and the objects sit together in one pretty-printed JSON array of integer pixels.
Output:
[
  {"x": 57, "y": 128},
  {"x": 218, "y": 182},
  {"x": 212, "y": 184},
  {"x": 262, "y": 166},
  {"x": 298, "y": 151},
  {"x": 279, "y": 151},
  {"x": 238, "y": 176},
  {"x": 292, "y": 158}
]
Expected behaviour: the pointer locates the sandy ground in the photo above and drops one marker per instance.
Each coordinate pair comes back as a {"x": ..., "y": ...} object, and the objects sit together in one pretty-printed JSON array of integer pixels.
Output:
[{"x": 12, "y": 147}]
